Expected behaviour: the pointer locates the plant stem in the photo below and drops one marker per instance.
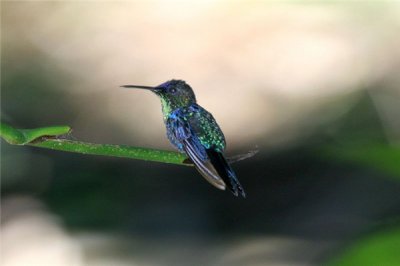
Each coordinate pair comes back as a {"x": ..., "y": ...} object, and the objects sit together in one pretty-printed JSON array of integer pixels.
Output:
[{"x": 49, "y": 138}]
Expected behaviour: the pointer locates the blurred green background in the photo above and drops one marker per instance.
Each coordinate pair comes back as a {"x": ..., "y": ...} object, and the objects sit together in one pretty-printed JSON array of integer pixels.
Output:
[{"x": 314, "y": 86}]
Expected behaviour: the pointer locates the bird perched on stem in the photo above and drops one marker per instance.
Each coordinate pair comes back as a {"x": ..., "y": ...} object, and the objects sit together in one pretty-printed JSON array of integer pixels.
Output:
[{"x": 194, "y": 131}]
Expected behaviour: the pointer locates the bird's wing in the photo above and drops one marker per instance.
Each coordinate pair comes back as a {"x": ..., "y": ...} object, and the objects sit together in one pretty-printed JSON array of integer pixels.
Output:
[
  {"x": 192, "y": 146},
  {"x": 205, "y": 168},
  {"x": 204, "y": 126}
]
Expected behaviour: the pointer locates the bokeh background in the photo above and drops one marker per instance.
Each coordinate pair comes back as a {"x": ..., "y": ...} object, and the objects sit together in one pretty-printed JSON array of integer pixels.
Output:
[{"x": 313, "y": 85}]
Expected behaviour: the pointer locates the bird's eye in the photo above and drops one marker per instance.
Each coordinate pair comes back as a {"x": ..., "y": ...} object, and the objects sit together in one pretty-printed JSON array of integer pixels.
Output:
[{"x": 172, "y": 90}]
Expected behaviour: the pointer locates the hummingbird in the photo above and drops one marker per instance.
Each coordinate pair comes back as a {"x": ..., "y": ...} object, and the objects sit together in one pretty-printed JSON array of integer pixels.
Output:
[{"x": 193, "y": 130}]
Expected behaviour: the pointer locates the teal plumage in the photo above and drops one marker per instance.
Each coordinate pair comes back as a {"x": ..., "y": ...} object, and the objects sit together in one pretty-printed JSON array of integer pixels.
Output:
[{"x": 193, "y": 130}]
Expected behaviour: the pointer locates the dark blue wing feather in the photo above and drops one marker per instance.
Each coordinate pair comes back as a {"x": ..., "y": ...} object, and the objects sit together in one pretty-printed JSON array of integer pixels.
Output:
[
  {"x": 204, "y": 167},
  {"x": 183, "y": 137},
  {"x": 185, "y": 133}
]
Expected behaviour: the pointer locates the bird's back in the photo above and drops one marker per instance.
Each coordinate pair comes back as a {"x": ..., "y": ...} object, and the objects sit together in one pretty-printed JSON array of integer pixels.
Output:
[{"x": 198, "y": 123}]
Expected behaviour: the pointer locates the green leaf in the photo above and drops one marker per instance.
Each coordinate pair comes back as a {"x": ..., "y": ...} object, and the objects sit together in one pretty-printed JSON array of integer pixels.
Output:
[
  {"x": 49, "y": 137},
  {"x": 24, "y": 136}
]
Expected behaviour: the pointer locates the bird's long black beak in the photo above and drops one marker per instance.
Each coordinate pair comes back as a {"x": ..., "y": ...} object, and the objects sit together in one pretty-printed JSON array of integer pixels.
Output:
[{"x": 155, "y": 89}]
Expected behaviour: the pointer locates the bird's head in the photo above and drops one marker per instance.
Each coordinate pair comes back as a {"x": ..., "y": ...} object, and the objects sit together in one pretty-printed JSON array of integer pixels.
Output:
[{"x": 173, "y": 94}]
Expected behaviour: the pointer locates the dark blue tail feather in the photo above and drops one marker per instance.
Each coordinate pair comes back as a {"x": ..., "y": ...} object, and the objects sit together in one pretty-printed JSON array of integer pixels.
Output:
[{"x": 225, "y": 172}]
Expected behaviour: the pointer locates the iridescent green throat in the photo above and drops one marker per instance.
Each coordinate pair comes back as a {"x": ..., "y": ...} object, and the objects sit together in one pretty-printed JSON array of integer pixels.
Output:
[{"x": 170, "y": 103}]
